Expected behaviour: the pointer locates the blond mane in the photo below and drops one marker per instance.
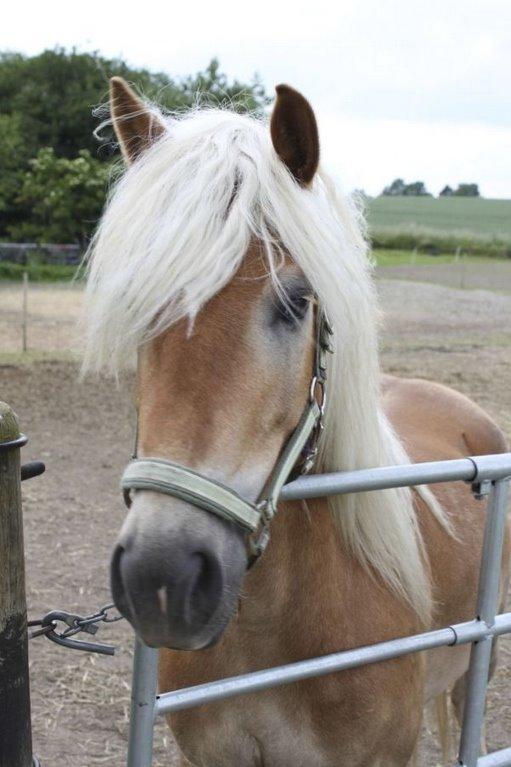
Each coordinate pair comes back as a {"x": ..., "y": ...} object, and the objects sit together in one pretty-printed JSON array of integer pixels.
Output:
[{"x": 175, "y": 231}]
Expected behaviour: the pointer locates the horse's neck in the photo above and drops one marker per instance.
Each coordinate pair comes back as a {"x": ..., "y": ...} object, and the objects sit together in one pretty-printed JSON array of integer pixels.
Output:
[
  {"x": 310, "y": 596},
  {"x": 307, "y": 596}
]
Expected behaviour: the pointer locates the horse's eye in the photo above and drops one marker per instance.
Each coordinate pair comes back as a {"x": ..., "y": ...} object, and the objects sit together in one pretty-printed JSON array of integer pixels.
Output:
[{"x": 294, "y": 309}]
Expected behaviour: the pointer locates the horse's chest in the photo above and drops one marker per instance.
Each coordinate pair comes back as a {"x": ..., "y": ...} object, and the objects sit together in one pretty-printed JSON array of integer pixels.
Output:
[
  {"x": 248, "y": 734},
  {"x": 262, "y": 732}
]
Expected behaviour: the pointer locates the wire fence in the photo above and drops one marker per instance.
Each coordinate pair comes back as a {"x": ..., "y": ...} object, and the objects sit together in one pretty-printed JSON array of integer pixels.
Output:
[
  {"x": 38, "y": 318},
  {"x": 47, "y": 253}
]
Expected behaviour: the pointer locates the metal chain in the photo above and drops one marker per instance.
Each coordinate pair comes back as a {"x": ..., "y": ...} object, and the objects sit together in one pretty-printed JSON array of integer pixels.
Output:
[
  {"x": 75, "y": 624},
  {"x": 41, "y": 631}
]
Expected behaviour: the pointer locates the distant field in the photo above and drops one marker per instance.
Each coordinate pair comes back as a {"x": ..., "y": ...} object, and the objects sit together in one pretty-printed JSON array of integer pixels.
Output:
[
  {"x": 476, "y": 226},
  {"x": 384, "y": 257},
  {"x": 404, "y": 230},
  {"x": 470, "y": 215}
]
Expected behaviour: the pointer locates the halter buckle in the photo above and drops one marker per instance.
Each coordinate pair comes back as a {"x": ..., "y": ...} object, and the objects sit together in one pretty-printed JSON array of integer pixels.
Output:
[
  {"x": 257, "y": 545},
  {"x": 318, "y": 386},
  {"x": 267, "y": 511},
  {"x": 309, "y": 460}
]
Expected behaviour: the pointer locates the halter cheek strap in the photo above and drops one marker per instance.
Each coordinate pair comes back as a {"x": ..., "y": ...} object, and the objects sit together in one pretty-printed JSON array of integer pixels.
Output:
[{"x": 297, "y": 457}]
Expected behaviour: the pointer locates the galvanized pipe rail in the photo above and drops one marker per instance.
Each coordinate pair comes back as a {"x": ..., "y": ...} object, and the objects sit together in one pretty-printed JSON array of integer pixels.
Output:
[
  {"x": 461, "y": 633},
  {"x": 481, "y": 469},
  {"x": 489, "y": 476},
  {"x": 497, "y": 759}
]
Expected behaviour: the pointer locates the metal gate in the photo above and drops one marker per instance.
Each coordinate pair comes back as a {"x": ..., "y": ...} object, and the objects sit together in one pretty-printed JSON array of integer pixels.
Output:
[{"x": 489, "y": 476}]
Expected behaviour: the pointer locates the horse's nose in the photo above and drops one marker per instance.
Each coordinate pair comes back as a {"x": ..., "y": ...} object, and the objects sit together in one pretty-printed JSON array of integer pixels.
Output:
[{"x": 168, "y": 596}]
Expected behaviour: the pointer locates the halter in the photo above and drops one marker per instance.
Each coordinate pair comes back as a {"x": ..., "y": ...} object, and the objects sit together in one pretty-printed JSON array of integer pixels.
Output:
[{"x": 297, "y": 457}]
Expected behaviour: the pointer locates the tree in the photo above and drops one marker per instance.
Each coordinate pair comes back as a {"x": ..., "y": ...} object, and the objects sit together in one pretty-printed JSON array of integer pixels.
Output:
[
  {"x": 212, "y": 87},
  {"x": 64, "y": 198},
  {"x": 416, "y": 189},
  {"x": 400, "y": 188},
  {"x": 447, "y": 191},
  {"x": 49, "y": 100},
  {"x": 467, "y": 190},
  {"x": 395, "y": 189},
  {"x": 14, "y": 155},
  {"x": 55, "y": 92}
]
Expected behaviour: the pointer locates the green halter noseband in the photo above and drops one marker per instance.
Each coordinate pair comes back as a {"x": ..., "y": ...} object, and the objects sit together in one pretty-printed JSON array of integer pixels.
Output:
[{"x": 297, "y": 457}]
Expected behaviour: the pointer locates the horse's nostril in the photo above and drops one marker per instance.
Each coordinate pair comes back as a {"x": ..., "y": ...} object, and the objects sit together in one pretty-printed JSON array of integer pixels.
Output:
[
  {"x": 115, "y": 571},
  {"x": 116, "y": 584},
  {"x": 204, "y": 586},
  {"x": 182, "y": 590}
]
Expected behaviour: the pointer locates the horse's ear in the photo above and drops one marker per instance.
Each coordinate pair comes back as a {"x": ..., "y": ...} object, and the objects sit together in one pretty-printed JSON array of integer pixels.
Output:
[
  {"x": 136, "y": 126},
  {"x": 294, "y": 133}
]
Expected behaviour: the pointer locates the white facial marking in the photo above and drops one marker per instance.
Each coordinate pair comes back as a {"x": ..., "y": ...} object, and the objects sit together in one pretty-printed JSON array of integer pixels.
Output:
[{"x": 162, "y": 599}]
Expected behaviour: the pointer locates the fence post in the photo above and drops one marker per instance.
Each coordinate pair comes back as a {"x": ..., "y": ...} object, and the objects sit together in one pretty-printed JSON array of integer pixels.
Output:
[
  {"x": 487, "y": 607},
  {"x": 16, "y": 738},
  {"x": 143, "y": 699},
  {"x": 25, "y": 312}
]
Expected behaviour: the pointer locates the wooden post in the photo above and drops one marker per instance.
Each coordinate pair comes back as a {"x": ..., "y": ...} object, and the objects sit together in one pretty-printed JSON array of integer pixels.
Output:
[
  {"x": 15, "y": 729},
  {"x": 25, "y": 310},
  {"x": 463, "y": 272}
]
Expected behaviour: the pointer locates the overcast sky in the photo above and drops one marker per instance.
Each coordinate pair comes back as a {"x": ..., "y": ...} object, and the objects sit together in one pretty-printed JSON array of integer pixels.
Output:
[{"x": 414, "y": 88}]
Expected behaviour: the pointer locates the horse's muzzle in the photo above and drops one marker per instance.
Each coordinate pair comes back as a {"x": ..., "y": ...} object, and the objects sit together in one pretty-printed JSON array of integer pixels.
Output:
[{"x": 176, "y": 573}]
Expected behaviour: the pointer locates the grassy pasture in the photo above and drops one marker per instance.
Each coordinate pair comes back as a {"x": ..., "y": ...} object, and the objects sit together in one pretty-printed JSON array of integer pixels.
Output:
[
  {"x": 391, "y": 257},
  {"x": 468, "y": 215},
  {"x": 37, "y": 272},
  {"x": 383, "y": 257},
  {"x": 398, "y": 226},
  {"x": 476, "y": 226}
]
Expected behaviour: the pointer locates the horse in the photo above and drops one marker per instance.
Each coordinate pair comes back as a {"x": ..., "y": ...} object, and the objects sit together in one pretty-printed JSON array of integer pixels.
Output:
[{"x": 223, "y": 253}]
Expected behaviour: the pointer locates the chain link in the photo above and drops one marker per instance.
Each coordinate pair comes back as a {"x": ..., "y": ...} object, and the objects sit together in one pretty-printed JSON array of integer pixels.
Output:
[
  {"x": 40, "y": 631},
  {"x": 47, "y": 626}
]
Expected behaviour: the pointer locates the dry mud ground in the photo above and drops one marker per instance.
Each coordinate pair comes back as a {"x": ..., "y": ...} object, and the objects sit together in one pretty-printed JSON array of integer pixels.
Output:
[{"x": 83, "y": 432}]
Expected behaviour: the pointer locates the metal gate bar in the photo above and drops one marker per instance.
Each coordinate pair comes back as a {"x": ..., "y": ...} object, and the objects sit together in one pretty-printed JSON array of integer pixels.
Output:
[
  {"x": 477, "y": 469},
  {"x": 143, "y": 695},
  {"x": 487, "y": 605},
  {"x": 497, "y": 759},
  {"x": 461, "y": 633},
  {"x": 489, "y": 474}
]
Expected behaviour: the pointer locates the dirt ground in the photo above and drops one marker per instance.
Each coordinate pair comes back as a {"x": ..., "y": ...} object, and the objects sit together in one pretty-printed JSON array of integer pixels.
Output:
[{"x": 83, "y": 431}]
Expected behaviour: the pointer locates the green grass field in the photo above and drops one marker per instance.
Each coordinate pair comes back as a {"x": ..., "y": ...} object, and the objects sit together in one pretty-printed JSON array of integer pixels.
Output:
[
  {"x": 399, "y": 226},
  {"x": 477, "y": 226},
  {"x": 490, "y": 219},
  {"x": 384, "y": 257},
  {"x": 37, "y": 272}
]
